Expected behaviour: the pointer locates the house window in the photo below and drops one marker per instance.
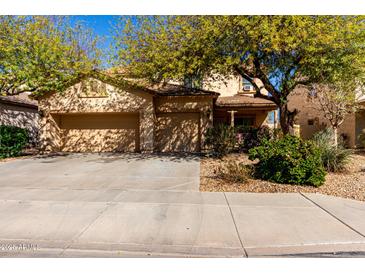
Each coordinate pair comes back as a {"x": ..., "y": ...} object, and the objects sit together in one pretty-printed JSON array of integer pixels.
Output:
[
  {"x": 310, "y": 122},
  {"x": 271, "y": 117},
  {"x": 244, "y": 121},
  {"x": 246, "y": 85}
]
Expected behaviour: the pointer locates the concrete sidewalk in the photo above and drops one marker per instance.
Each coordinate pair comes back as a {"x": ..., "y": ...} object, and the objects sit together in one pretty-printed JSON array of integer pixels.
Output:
[{"x": 117, "y": 223}]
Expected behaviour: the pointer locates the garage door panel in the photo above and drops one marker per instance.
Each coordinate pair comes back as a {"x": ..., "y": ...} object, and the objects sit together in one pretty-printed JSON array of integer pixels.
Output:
[
  {"x": 99, "y": 140},
  {"x": 100, "y": 121},
  {"x": 178, "y": 132},
  {"x": 100, "y": 133}
]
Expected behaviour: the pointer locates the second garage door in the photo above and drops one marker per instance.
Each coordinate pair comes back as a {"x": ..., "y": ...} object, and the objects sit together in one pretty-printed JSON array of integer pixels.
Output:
[
  {"x": 100, "y": 132},
  {"x": 178, "y": 132}
]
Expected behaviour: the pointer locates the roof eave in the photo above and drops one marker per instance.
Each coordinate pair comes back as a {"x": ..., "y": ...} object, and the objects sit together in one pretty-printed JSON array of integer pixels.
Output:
[
  {"x": 269, "y": 106},
  {"x": 16, "y": 103}
]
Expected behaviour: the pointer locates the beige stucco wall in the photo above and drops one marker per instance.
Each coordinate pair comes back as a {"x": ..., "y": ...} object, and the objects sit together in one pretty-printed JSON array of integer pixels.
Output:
[
  {"x": 226, "y": 86},
  {"x": 230, "y": 86},
  {"x": 309, "y": 109},
  {"x": 73, "y": 101},
  {"x": 21, "y": 116}
]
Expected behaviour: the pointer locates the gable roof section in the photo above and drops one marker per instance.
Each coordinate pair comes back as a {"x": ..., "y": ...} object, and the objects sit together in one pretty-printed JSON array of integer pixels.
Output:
[{"x": 105, "y": 78}]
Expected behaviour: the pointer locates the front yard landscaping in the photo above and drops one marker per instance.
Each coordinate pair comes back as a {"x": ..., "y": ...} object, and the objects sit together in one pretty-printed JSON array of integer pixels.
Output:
[{"x": 349, "y": 183}]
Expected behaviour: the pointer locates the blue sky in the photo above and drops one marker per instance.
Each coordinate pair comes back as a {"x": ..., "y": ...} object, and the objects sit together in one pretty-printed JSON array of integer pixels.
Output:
[{"x": 101, "y": 25}]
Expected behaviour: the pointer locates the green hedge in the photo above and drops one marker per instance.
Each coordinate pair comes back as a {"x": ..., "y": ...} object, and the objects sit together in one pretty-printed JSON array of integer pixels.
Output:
[
  {"x": 12, "y": 141},
  {"x": 289, "y": 160}
]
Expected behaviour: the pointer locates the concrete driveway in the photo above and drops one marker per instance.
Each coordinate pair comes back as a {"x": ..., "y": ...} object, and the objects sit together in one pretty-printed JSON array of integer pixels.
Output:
[
  {"x": 160, "y": 215},
  {"x": 103, "y": 171}
]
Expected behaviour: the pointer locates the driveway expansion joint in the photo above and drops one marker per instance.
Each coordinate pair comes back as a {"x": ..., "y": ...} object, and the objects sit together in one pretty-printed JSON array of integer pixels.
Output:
[
  {"x": 235, "y": 225},
  {"x": 332, "y": 215},
  {"x": 74, "y": 239}
]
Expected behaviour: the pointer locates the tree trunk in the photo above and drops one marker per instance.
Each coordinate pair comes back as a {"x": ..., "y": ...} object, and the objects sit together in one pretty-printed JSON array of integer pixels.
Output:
[
  {"x": 287, "y": 119},
  {"x": 335, "y": 138}
]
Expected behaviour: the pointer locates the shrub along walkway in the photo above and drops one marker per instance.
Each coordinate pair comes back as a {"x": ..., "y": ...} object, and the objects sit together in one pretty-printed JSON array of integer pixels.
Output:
[{"x": 348, "y": 184}]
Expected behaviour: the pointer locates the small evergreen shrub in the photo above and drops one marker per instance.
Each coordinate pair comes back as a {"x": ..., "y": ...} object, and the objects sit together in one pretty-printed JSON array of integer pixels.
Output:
[
  {"x": 234, "y": 172},
  {"x": 221, "y": 139},
  {"x": 334, "y": 159},
  {"x": 289, "y": 160},
  {"x": 253, "y": 137},
  {"x": 12, "y": 141}
]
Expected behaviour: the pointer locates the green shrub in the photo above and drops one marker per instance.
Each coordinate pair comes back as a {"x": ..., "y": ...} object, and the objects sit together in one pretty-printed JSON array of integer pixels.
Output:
[
  {"x": 333, "y": 158},
  {"x": 221, "y": 139},
  {"x": 254, "y": 137},
  {"x": 289, "y": 160},
  {"x": 234, "y": 172},
  {"x": 12, "y": 141}
]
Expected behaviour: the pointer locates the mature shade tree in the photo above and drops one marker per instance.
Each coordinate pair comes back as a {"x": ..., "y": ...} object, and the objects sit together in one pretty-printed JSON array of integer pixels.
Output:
[
  {"x": 39, "y": 54},
  {"x": 274, "y": 53}
]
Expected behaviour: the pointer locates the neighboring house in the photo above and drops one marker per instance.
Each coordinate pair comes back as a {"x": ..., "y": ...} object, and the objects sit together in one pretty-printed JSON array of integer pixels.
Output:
[
  {"x": 20, "y": 111},
  {"x": 99, "y": 115},
  {"x": 311, "y": 119}
]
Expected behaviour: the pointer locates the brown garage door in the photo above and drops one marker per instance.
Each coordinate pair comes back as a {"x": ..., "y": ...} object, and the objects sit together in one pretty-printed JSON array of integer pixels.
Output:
[
  {"x": 100, "y": 132},
  {"x": 178, "y": 132}
]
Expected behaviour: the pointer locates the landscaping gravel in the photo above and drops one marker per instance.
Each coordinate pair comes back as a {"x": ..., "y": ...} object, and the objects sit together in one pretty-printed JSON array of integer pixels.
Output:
[{"x": 348, "y": 184}]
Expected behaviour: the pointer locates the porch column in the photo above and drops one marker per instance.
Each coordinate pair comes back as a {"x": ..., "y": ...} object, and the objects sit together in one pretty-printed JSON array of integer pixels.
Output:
[
  {"x": 232, "y": 116},
  {"x": 276, "y": 119}
]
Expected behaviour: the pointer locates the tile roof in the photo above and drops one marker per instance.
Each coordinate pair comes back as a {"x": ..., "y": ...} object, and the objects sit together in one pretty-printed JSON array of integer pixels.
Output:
[
  {"x": 180, "y": 90},
  {"x": 20, "y": 99},
  {"x": 243, "y": 100}
]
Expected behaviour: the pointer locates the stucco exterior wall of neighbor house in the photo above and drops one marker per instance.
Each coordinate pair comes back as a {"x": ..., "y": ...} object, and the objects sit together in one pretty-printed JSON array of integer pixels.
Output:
[
  {"x": 311, "y": 118},
  {"x": 22, "y": 116},
  {"x": 106, "y": 119},
  {"x": 183, "y": 116}
]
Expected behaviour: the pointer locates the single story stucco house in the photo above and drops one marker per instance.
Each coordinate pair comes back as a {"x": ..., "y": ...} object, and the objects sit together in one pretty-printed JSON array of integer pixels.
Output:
[
  {"x": 98, "y": 114},
  {"x": 20, "y": 111}
]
